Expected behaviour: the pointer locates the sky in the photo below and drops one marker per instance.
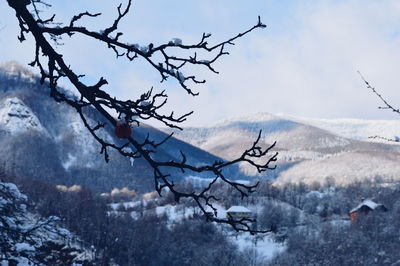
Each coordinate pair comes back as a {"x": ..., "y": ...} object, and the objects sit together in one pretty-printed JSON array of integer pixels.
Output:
[{"x": 304, "y": 63}]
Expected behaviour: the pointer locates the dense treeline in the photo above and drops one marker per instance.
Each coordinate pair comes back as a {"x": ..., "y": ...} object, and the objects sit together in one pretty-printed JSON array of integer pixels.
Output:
[
  {"x": 27, "y": 238},
  {"x": 126, "y": 241},
  {"x": 312, "y": 221},
  {"x": 373, "y": 240}
]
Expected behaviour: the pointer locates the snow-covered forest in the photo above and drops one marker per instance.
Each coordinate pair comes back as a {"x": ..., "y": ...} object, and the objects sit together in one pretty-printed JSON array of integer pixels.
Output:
[
  {"x": 98, "y": 165},
  {"x": 83, "y": 221},
  {"x": 311, "y": 226}
]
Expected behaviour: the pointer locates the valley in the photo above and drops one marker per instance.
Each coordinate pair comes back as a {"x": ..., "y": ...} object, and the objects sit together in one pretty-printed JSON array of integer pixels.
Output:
[{"x": 109, "y": 214}]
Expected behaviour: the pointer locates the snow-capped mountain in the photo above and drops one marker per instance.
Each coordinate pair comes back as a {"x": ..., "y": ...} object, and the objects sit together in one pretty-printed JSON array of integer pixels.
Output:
[
  {"x": 16, "y": 117},
  {"x": 43, "y": 139},
  {"x": 309, "y": 149},
  {"x": 359, "y": 129}
]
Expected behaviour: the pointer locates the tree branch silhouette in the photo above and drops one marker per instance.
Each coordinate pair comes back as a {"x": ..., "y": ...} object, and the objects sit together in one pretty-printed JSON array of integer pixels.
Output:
[
  {"x": 53, "y": 67},
  {"x": 386, "y": 106}
]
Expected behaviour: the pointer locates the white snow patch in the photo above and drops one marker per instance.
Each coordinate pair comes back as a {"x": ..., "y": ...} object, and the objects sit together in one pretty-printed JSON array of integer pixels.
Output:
[
  {"x": 16, "y": 117},
  {"x": 221, "y": 211},
  {"x": 14, "y": 190},
  {"x": 173, "y": 213},
  {"x": 238, "y": 209},
  {"x": 71, "y": 160},
  {"x": 314, "y": 193},
  {"x": 176, "y": 41},
  {"x": 129, "y": 150},
  {"x": 264, "y": 245},
  {"x": 24, "y": 247},
  {"x": 127, "y": 205},
  {"x": 197, "y": 181}
]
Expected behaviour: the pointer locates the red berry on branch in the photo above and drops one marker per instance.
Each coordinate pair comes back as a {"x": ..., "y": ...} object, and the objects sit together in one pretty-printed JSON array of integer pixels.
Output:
[{"x": 123, "y": 130}]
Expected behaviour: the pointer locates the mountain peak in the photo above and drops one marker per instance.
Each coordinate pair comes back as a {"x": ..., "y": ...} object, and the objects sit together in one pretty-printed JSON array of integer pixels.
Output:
[
  {"x": 258, "y": 117},
  {"x": 16, "y": 117}
]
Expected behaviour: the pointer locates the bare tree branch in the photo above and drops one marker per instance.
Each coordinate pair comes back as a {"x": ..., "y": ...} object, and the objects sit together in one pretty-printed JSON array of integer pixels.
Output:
[
  {"x": 387, "y": 105},
  {"x": 53, "y": 67}
]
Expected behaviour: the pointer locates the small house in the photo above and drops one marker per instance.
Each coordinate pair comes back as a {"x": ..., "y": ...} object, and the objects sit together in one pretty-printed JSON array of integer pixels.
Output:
[
  {"x": 365, "y": 207},
  {"x": 238, "y": 212}
]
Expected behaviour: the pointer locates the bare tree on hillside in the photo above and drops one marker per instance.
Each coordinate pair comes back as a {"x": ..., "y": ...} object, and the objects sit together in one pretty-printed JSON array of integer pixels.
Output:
[{"x": 53, "y": 67}]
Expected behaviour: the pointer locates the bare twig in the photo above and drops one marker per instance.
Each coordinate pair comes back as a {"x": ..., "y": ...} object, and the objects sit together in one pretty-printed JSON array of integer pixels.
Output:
[
  {"x": 387, "y": 105},
  {"x": 148, "y": 106}
]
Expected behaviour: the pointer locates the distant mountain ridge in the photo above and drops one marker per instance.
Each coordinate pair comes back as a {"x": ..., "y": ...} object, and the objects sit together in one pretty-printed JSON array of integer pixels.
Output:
[
  {"x": 359, "y": 129},
  {"x": 309, "y": 150},
  {"x": 43, "y": 139},
  {"x": 353, "y": 128}
]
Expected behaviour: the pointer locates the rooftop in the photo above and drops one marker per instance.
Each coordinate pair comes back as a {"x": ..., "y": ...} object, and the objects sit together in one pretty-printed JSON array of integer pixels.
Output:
[
  {"x": 369, "y": 203},
  {"x": 238, "y": 209}
]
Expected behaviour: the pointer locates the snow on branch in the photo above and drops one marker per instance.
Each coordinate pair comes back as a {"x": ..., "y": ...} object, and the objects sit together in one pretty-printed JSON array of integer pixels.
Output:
[{"x": 53, "y": 67}]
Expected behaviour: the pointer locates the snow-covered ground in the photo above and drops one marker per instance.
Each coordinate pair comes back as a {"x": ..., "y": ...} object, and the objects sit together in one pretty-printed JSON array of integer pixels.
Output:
[
  {"x": 126, "y": 205},
  {"x": 200, "y": 182},
  {"x": 264, "y": 244},
  {"x": 175, "y": 213}
]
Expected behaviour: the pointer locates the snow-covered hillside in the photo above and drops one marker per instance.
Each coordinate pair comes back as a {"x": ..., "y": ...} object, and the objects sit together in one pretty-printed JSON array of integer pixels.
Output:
[
  {"x": 346, "y": 168},
  {"x": 46, "y": 140},
  {"x": 359, "y": 129},
  {"x": 16, "y": 117},
  {"x": 29, "y": 239},
  {"x": 309, "y": 149},
  {"x": 264, "y": 244}
]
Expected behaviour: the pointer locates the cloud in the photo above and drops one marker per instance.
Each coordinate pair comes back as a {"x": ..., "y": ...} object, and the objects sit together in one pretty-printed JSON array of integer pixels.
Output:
[
  {"x": 310, "y": 67},
  {"x": 305, "y": 63}
]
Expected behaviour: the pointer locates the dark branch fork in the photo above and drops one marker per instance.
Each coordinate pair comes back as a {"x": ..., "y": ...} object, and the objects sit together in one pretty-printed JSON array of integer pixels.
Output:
[{"x": 147, "y": 106}]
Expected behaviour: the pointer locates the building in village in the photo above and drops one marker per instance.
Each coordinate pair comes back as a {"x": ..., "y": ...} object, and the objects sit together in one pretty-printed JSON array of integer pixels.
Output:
[
  {"x": 238, "y": 212},
  {"x": 365, "y": 207}
]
